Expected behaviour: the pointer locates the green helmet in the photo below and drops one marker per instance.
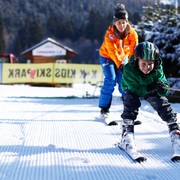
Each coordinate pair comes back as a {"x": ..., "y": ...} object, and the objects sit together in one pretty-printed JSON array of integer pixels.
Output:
[{"x": 147, "y": 51}]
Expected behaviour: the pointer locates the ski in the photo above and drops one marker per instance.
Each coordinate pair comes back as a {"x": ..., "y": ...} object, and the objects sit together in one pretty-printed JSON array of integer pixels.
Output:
[
  {"x": 109, "y": 121},
  {"x": 113, "y": 123},
  {"x": 175, "y": 137},
  {"x": 132, "y": 153},
  {"x": 176, "y": 157},
  {"x": 136, "y": 122}
]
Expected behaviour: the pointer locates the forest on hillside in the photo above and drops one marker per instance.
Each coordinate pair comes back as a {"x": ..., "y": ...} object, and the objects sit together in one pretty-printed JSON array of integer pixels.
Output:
[
  {"x": 26, "y": 22},
  {"x": 79, "y": 24}
]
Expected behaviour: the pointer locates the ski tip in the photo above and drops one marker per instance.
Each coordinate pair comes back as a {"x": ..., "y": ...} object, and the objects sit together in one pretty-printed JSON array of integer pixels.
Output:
[
  {"x": 175, "y": 159},
  {"x": 113, "y": 123},
  {"x": 141, "y": 159},
  {"x": 137, "y": 122}
]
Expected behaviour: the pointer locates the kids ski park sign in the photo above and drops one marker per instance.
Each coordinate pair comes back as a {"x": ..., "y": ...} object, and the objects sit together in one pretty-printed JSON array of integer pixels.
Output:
[{"x": 53, "y": 73}]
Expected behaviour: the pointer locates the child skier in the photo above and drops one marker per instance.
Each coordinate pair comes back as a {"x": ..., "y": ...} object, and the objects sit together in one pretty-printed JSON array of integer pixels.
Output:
[{"x": 143, "y": 77}]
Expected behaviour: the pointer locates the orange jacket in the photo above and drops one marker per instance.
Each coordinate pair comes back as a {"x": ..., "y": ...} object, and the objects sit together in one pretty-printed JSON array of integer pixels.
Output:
[{"x": 116, "y": 49}]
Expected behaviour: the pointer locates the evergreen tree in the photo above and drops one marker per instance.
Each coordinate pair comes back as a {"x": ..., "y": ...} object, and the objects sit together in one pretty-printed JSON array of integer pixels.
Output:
[
  {"x": 97, "y": 25},
  {"x": 2, "y": 42},
  {"x": 28, "y": 35},
  {"x": 161, "y": 25},
  {"x": 52, "y": 23},
  {"x": 36, "y": 32}
]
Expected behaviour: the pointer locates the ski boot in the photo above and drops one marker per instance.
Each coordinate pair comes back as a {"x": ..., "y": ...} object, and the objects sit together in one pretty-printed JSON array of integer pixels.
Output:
[
  {"x": 175, "y": 139},
  {"x": 106, "y": 117},
  {"x": 128, "y": 141}
]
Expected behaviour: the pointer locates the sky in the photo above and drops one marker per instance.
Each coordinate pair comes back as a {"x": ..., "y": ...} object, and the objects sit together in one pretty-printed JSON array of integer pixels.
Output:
[
  {"x": 56, "y": 134},
  {"x": 169, "y": 1}
]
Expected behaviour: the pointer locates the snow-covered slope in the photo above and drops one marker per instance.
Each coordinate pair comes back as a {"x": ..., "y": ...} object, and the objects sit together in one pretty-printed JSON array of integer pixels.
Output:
[{"x": 58, "y": 138}]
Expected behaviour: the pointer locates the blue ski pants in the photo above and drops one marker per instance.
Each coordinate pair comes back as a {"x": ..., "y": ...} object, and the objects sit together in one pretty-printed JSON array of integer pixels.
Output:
[{"x": 112, "y": 75}]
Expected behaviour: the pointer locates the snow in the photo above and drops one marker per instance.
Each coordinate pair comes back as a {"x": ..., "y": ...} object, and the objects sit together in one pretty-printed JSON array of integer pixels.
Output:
[{"x": 55, "y": 134}]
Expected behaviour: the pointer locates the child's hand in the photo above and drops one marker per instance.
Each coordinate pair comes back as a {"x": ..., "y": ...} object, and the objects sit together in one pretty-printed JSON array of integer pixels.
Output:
[
  {"x": 158, "y": 87},
  {"x": 161, "y": 87},
  {"x": 121, "y": 69},
  {"x": 151, "y": 88}
]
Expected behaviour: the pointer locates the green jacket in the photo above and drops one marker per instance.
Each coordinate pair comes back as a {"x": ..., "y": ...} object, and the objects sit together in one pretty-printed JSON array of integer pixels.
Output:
[{"x": 135, "y": 81}]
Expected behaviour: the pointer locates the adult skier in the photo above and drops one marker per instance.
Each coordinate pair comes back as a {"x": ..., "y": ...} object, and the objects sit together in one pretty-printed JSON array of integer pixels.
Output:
[{"x": 118, "y": 46}]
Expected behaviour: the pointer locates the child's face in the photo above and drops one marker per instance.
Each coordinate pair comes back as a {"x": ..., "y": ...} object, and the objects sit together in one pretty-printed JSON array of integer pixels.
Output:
[
  {"x": 121, "y": 25},
  {"x": 145, "y": 66}
]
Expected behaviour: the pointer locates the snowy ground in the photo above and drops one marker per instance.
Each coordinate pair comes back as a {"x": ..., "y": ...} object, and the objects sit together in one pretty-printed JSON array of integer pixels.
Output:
[{"x": 45, "y": 137}]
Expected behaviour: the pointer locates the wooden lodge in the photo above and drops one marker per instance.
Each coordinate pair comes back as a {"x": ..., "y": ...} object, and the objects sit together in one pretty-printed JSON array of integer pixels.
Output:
[{"x": 48, "y": 51}]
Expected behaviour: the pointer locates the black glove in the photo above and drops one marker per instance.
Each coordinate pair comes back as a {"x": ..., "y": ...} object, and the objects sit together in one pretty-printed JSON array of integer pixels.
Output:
[
  {"x": 121, "y": 68},
  {"x": 161, "y": 87},
  {"x": 151, "y": 88},
  {"x": 158, "y": 87}
]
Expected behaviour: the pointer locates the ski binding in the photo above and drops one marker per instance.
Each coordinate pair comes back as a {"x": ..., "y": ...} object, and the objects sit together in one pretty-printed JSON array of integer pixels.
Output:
[{"x": 133, "y": 153}]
